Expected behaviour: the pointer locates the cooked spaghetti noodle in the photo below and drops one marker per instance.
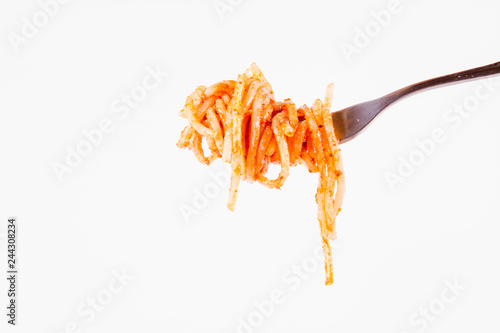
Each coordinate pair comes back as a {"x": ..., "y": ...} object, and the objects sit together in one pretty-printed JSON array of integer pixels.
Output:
[{"x": 243, "y": 124}]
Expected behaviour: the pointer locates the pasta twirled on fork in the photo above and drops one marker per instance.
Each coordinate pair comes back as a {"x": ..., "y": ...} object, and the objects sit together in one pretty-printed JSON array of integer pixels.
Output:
[{"x": 244, "y": 125}]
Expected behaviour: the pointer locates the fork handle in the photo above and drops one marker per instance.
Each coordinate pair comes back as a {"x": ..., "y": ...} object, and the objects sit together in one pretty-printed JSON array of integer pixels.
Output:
[{"x": 469, "y": 74}]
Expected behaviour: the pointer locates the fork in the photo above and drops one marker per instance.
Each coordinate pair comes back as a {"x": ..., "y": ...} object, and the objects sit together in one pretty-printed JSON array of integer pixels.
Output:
[{"x": 351, "y": 121}]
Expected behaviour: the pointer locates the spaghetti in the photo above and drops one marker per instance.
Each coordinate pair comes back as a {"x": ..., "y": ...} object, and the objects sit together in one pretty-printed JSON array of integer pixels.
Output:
[{"x": 244, "y": 125}]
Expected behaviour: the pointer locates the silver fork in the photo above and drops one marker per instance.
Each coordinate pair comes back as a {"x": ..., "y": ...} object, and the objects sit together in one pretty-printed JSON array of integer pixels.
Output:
[{"x": 349, "y": 122}]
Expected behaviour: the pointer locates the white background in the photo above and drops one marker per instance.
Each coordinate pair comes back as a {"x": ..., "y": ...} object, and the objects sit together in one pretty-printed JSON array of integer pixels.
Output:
[{"x": 119, "y": 209}]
